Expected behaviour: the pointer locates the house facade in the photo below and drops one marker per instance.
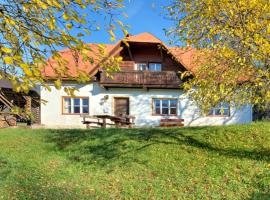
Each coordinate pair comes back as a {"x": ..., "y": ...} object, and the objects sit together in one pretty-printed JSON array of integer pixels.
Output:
[{"x": 147, "y": 87}]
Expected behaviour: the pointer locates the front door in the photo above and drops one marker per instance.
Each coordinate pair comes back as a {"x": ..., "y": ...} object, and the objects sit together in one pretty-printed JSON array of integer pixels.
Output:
[{"x": 121, "y": 106}]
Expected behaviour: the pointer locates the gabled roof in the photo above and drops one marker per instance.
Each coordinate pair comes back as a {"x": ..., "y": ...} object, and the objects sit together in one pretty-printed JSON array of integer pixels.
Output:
[
  {"x": 182, "y": 55},
  {"x": 187, "y": 56},
  {"x": 144, "y": 38},
  {"x": 73, "y": 65}
]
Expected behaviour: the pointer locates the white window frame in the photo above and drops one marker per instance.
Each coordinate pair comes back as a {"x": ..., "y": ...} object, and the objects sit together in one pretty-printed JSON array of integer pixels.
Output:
[
  {"x": 64, "y": 106},
  {"x": 222, "y": 106},
  {"x": 169, "y": 106},
  {"x": 147, "y": 66},
  {"x": 138, "y": 68}
]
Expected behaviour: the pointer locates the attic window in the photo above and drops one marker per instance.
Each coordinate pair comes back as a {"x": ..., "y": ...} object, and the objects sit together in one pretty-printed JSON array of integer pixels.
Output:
[
  {"x": 155, "y": 67},
  {"x": 150, "y": 66},
  {"x": 141, "y": 66}
]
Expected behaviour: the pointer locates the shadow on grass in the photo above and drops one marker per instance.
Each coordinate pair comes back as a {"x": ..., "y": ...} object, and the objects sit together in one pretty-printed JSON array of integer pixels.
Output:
[
  {"x": 24, "y": 182},
  {"x": 33, "y": 184},
  {"x": 102, "y": 146},
  {"x": 262, "y": 183},
  {"x": 259, "y": 196},
  {"x": 4, "y": 168}
]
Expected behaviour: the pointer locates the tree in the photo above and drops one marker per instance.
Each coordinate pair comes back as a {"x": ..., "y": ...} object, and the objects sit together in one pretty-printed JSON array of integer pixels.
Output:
[
  {"x": 233, "y": 41},
  {"x": 31, "y": 31}
]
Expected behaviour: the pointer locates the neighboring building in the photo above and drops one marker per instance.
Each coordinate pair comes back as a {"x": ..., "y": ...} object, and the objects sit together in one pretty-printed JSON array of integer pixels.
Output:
[
  {"x": 10, "y": 99},
  {"x": 147, "y": 87}
]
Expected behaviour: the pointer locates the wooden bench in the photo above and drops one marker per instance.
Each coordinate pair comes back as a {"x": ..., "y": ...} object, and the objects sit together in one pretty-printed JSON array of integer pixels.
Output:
[
  {"x": 171, "y": 122},
  {"x": 91, "y": 121},
  {"x": 125, "y": 120},
  {"x": 104, "y": 120}
]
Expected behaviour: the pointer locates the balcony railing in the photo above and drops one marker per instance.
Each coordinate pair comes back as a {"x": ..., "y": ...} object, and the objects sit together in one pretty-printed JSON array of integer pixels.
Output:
[{"x": 145, "y": 79}]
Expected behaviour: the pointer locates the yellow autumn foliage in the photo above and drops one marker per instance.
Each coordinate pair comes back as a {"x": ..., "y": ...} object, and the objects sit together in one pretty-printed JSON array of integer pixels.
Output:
[
  {"x": 34, "y": 30},
  {"x": 233, "y": 38}
]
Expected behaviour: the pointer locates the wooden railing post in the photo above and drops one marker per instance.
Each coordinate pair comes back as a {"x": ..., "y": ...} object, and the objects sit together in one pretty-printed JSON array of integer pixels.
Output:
[
  {"x": 28, "y": 102},
  {"x": 28, "y": 108}
]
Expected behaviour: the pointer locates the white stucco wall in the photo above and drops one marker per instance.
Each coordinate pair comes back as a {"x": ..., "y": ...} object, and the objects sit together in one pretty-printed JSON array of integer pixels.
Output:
[{"x": 140, "y": 107}]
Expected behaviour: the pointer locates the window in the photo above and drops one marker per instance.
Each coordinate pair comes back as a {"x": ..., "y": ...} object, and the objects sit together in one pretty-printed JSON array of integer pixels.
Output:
[
  {"x": 67, "y": 105},
  {"x": 150, "y": 67},
  {"x": 141, "y": 66},
  {"x": 78, "y": 105},
  {"x": 155, "y": 67},
  {"x": 85, "y": 105},
  {"x": 165, "y": 106},
  {"x": 223, "y": 109}
]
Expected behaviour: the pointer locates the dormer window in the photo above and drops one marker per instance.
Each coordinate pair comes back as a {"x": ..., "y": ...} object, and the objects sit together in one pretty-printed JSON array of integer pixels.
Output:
[{"x": 148, "y": 66}]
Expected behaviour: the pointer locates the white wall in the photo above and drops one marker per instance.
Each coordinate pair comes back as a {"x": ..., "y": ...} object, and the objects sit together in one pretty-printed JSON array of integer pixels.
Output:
[{"x": 140, "y": 107}]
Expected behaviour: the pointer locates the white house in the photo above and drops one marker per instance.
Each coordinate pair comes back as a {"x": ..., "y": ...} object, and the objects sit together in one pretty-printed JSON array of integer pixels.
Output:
[{"x": 147, "y": 87}]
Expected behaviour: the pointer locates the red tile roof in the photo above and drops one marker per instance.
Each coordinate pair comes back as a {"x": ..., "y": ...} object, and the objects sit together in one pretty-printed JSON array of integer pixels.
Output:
[
  {"x": 74, "y": 65},
  {"x": 182, "y": 55},
  {"x": 144, "y": 37},
  {"x": 187, "y": 56}
]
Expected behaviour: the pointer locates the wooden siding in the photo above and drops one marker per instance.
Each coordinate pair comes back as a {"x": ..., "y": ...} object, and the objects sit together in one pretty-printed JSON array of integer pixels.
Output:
[
  {"x": 148, "y": 53},
  {"x": 145, "y": 79},
  {"x": 144, "y": 53},
  {"x": 127, "y": 65}
]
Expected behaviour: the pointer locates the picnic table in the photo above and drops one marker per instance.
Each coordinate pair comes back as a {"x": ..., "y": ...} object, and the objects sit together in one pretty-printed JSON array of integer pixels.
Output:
[{"x": 102, "y": 120}]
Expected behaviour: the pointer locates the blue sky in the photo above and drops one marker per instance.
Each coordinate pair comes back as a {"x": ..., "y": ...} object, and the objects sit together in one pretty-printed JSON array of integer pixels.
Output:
[{"x": 144, "y": 16}]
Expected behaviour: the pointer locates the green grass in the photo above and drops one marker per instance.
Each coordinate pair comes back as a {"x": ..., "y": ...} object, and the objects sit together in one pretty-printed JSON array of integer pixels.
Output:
[{"x": 230, "y": 162}]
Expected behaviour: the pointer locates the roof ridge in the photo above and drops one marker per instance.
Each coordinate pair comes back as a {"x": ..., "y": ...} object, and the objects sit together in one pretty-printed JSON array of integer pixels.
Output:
[
  {"x": 154, "y": 36},
  {"x": 146, "y": 37}
]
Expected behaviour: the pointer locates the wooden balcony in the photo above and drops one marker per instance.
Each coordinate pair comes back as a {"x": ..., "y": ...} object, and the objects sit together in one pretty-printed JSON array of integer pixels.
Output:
[{"x": 141, "y": 79}]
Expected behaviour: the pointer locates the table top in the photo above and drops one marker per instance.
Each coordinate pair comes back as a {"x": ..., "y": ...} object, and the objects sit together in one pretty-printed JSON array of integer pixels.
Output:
[{"x": 107, "y": 117}]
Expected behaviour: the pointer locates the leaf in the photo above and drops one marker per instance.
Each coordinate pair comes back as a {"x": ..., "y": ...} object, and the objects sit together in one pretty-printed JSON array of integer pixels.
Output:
[
  {"x": 87, "y": 31},
  {"x": 69, "y": 26},
  {"x": 26, "y": 69},
  {"x": 112, "y": 35},
  {"x": 42, "y": 5},
  {"x": 80, "y": 35},
  {"x": 51, "y": 25},
  {"x": 66, "y": 16},
  {"x": 125, "y": 32},
  {"x": 120, "y": 23},
  {"x": 6, "y": 49},
  {"x": 58, "y": 84},
  {"x": 8, "y": 60},
  {"x": 125, "y": 15},
  {"x": 10, "y": 21}
]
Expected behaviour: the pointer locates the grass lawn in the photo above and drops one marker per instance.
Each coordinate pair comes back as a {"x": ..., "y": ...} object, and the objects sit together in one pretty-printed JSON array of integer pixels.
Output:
[{"x": 230, "y": 162}]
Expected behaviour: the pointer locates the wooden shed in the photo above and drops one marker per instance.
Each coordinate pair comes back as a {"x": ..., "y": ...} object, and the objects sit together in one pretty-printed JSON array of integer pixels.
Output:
[{"x": 10, "y": 99}]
